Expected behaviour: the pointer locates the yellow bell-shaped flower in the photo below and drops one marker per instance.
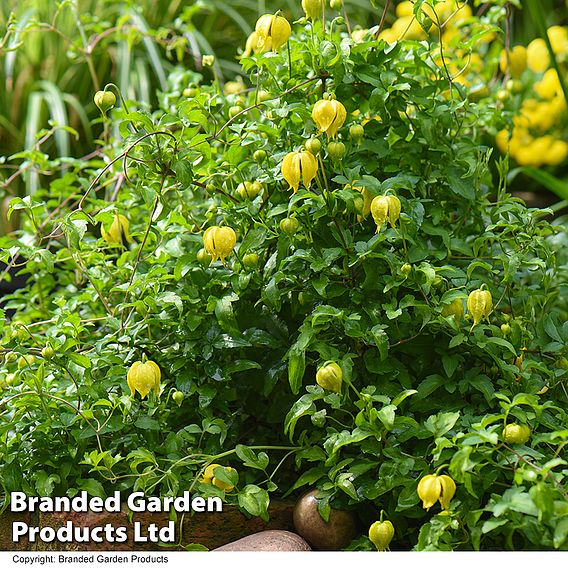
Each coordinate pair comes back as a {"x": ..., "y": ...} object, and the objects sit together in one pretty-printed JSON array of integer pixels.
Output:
[
  {"x": 144, "y": 377},
  {"x": 219, "y": 242},
  {"x": 538, "y": 58},
  {"x": 299, "y": 166},
  {"x": 273, "y": 32},
  {"x": 330, "y": 377},
  {"x": 312, "y": 8},
  {"x": 255, "y": 45},
  {"x": 329, "y": 116},
  {"x": 479, "y": 304},
  {"x": 432, "y": 488},
  {"x": 385, "y": 207},
  {"x": 117, "y": 231},
  {"x": 380, "y": 534}
]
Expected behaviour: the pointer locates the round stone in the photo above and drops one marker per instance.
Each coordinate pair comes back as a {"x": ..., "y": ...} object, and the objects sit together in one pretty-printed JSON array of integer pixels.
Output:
[
  {"x": 334, "y": 534},
  {"x": 267, "y": 541}
]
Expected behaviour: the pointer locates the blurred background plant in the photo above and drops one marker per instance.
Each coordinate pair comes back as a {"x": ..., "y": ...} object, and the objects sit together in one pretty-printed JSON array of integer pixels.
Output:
[{"x": 55, "y": 55}]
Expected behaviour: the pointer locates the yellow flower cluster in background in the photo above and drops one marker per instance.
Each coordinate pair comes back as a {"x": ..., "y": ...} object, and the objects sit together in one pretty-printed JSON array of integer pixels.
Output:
[
  {"x": 449, "y": 14},
  {"x": 537, "y": 137}
]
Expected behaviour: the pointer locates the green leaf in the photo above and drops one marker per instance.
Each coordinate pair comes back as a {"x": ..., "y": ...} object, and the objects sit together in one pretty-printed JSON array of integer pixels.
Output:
[
  {"x": 92, "y": 487},
  {"x": 381, "y": 340},
  {"x": 250, "y": 459},
  {"x": 387, "y": 415},
  {"x": 184, "y": 172},
  {"x": 304, "y": 406},
  {"x": 308, "y": 478},
  {"x": 147, "y": 423},
  {"x": 254, "y": 501},
  {"x": 296, "y": 368},
  {"x": 560, "y": 532},
  {"x": 44, "y": 482},
  {"x": 441, "y": 423},
  {"x": 450, "y": 364}
]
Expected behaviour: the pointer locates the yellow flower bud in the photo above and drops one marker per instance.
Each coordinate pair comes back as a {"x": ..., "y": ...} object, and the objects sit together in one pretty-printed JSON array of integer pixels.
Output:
[
  {"x": 289, "y": 225},
  {"x": 117, "y": 231},
  {"x": 329, "y": 115},
  {"x": 273, "y": 32},
  {"x": 298, "y": 166},
  {"x": 516, "y": 433},
  {"x": 479, "y": 304},
  {"x": 105, "y": 100},
  {"x": 432, "y": 488},
  {"x": 455, "y": 308},
  {"x": 249, "y": 189},
  {"x": 219, "y": 242},
  {"x": 313, "y": 145},
  {"x": 312, "y": 8},
  {"x": 381, "y": 534},
  {"x": 330, "y": 377},
  {"x": 178, "y": 397},
  {"x": 144, "y": 377},
  {"x": 385, "y": 207},
  {"x": 356, "y": 132}
]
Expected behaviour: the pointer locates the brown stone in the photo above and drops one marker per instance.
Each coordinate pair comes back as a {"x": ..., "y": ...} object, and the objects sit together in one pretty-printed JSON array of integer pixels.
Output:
[
  {"x": 267, "y": 541},
  {"x": 6, "y": 520},
  {"x": 334, "y": 534}
]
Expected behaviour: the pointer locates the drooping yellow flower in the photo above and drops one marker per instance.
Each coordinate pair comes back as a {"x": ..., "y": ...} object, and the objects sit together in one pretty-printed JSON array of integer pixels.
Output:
[
  {"x": 557, "y": 153},
  {"x": 432, "y": 488},
  {"x": 117, "y": 231},
  {"x": 312, "y": 8},
  {"x": 255, "y": 45},
  {"x": 380, "y": 534},
  {"x": 273, "y": 32},
  {"x": 144, "y": 377},
  {"x": 558, "y": 36},
  {"x": 330, "y": 377},
  {"x": 299, "y": 166},
  {"x": 219, "y": 242},
  {"x": 329, "y": 116},
  {"x": 383, "y": 208},
  {"x": 549, "y": 86},
  {"x": 479, "y": 304}
]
